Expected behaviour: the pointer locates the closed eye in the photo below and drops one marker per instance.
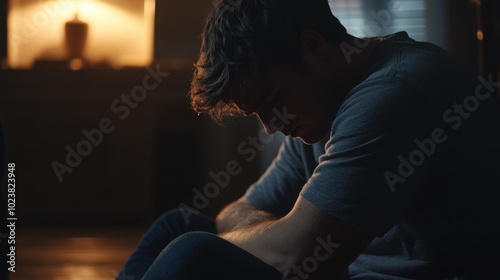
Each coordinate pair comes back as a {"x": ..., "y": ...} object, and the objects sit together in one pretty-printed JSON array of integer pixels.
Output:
[{"x": 269, "y": 100}]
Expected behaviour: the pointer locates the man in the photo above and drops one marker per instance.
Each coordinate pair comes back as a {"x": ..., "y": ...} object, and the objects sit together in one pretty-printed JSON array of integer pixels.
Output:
[{"x": 390, "y": 170}]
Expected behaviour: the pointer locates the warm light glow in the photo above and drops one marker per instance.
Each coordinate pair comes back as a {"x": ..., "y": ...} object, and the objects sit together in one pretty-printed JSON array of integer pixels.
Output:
[
  {"x": 79, "y": 272},
  {"x": 480, "y": 35},
  {"x": 120, "y": 32},
  {"x": 76, "y": 64},
  {"x": 81, "y": 254}
]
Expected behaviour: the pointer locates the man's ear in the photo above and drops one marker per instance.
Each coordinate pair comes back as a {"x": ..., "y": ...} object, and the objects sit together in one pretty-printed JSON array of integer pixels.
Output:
[
  {"x": 313, "y": 43},
  {"x": 316, "y": 53}
]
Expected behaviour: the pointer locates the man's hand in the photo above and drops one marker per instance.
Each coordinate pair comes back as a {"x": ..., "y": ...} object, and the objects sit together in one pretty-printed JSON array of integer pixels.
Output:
[
  {"x": 306, "y": 242},
  {"x": 240, "y": 214}
]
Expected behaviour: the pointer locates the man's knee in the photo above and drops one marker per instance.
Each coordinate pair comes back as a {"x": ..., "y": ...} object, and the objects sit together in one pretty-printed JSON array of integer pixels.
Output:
[
  {"x": 193, "y": 247},
  {"x": 175, "y": 214},
  {"x": 199, "y": 241},
  {"x": 176, "y": 219}
]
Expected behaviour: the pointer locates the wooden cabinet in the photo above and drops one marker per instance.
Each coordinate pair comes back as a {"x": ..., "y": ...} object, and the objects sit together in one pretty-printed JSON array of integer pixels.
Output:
[
  {"x": 120, "y": 157},
  {"x": 48, "y": 117}
]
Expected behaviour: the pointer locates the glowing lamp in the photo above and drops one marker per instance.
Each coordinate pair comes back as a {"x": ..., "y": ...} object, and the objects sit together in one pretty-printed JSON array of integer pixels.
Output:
[
  {"x": 75, "y": 32},
  {"x": 116, "y": 33}
]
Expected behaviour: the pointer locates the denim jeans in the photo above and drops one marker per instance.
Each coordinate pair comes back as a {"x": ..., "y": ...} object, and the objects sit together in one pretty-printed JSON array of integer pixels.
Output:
[{"x": 181, "y": 245}]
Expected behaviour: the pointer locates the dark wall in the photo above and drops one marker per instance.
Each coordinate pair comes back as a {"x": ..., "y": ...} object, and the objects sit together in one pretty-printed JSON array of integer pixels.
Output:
[
  {"x": 178, "y": 27},
  {"x": 491, "y": 45},
  {"x": 460, "y": 31},
  {"x": 3, "y": 29}
]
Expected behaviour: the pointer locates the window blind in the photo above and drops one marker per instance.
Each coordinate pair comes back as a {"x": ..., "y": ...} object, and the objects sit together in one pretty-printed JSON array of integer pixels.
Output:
[{"x": 370, "y": 18}]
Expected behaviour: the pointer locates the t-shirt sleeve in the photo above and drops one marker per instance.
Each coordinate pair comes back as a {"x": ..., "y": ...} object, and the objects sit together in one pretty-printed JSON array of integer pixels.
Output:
[
  {"x": 357, "y": 179},
  {"x": 278, "y": 188}
]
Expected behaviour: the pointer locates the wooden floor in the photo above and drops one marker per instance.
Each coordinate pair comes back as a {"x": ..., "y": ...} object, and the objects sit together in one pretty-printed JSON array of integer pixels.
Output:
[{"x": 73, "y": 253}]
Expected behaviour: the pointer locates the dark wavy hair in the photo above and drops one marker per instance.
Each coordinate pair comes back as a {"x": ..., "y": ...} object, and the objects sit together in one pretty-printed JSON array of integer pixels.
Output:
[{"x": 244, "y": 38}]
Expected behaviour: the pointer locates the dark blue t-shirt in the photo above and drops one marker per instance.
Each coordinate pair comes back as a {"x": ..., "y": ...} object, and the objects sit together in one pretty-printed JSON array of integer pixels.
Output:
[{"x": 414, "y": 158}]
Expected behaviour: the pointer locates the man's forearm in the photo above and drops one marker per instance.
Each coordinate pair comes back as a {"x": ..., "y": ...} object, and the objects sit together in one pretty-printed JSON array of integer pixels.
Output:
[
  {"x": 306, "y": 232},
  {"x": 240, "y": 214},
  {"x": 265, "y": 241}
]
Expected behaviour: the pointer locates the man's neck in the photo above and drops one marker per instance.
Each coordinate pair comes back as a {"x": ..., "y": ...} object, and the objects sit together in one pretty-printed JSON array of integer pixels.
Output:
[{"x": 352, "y": 67}]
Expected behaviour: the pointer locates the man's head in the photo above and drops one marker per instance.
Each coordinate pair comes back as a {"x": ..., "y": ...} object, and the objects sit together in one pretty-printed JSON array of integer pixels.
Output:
[{"x": 244, "y": 41}]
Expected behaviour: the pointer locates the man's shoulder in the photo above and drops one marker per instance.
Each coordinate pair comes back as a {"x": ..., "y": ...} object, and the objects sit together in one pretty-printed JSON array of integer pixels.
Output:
[{"x": 400, "y": 57}]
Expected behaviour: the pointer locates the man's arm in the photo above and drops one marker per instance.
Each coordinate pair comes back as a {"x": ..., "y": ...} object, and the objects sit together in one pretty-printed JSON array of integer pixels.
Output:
[
  {"x": 306, "y": 242},
  {"x": 240, "y": 214}
]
